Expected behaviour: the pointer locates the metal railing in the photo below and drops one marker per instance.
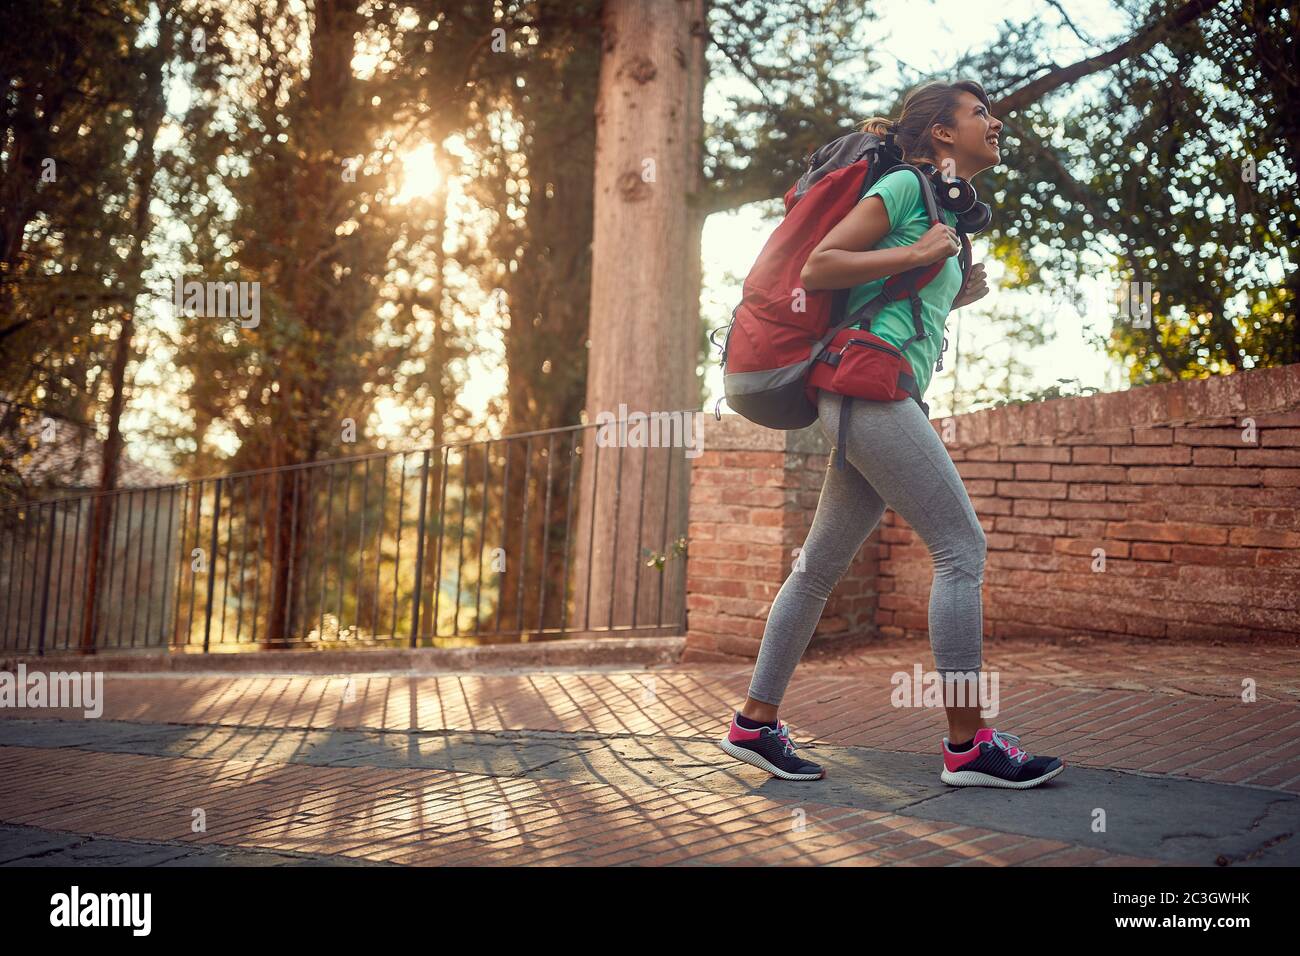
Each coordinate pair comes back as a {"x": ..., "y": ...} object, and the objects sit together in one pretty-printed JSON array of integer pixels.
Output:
[{"x": 516, "y": 538}]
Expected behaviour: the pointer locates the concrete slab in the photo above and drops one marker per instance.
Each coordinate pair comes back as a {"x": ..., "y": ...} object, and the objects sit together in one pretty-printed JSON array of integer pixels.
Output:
[{"x": 35, "y": 846}]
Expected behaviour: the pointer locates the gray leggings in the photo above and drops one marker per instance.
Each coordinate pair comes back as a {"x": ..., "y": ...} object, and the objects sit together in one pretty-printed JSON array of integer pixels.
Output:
[{"x": 894, "y": 458}]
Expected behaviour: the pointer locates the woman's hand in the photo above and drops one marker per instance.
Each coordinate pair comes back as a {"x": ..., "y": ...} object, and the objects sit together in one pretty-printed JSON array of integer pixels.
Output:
[
  {"x": 939, "y": 242},
  {"x": 977, "y": 287}
]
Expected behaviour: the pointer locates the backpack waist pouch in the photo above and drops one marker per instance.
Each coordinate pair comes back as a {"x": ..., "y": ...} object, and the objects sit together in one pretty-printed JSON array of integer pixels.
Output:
[{"x": 861, "y": 365}]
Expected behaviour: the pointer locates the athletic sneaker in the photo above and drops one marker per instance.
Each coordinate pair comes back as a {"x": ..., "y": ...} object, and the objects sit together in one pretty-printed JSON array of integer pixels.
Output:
[
  {"x": 772, "y": 750},
  {"x": 995, "y": 760}
]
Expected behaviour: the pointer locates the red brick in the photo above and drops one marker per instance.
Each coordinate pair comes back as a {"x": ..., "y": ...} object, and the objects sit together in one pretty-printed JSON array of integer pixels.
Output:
[
  {"x": 1087, "y": 509},
  {"x": 1145, "y": 511},
  {"x": 1229, "y": 437},
  {"x": 1281, "y": 477},
  {"x": 1032, "y": 542},
  {"x": 1032, "y": 489},
  {"x": 1168, "y": 531},
  {"x": 1153, "y": 436},
  {"x": 1093, "y": 454},
  {"x": 985, "y": 469},
  {"x": 984, "y": 505},
  {"x": 1083, "y": 528},
  {"x": 1280, "y": 437},
  {"x": 1269, "y": 558},
  {"x": 1095, "y": 473},
  {"x": 1202, "y": 514},
  {"x": 1031, "y": 471},
  {"x": 1286, "y": 419},
  {"x": 1264, "y": 538},
  {"x": 1147, "y": 551},
  {"x": 1213, "y": 456},
  {"x": 1053, "y": 526},
  {"x": 1144, "y": 531},
  {"x": 1102, "y": 436},
  {"x": 1085, "y": 547},
  {"x": 1281, "y": 457},
  {"x": 1087, "y": 492},
  {"x": 1275, "y": 518},
  {"x": 1191, "y": 554},
  {"x": 1152, "y": 475},
  {"x": 750, "y": 459},
  {"x": 1218, "y": 476},
  {"x": 1152, "y": 455},
  {"x": 1035, "y": 453}
]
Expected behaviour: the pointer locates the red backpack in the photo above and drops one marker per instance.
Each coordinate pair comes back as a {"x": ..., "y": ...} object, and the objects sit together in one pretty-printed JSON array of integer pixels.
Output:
[{"x": 784, "y": 342}]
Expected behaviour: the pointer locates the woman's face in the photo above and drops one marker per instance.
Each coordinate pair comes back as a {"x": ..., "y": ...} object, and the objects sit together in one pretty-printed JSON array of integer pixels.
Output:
[{"x": 975, "y": 135}]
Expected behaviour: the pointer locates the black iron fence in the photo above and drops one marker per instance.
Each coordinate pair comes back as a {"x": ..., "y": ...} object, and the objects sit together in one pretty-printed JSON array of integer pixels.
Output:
[{"x": 526, "y": 537}]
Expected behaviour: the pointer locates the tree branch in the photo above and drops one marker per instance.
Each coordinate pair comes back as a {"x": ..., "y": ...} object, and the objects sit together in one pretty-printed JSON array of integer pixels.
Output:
[{"x": 1139, "y": 43}]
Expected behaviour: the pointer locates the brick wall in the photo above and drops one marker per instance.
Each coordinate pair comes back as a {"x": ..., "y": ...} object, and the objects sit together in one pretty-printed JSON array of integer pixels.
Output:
[
  {"x": 753, "y": 494},
  {"x": 1149, "y": 512}
]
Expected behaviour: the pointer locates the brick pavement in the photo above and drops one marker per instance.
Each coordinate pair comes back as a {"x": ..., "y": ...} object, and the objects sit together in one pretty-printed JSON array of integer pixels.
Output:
[{"x": 619, "y": 766}]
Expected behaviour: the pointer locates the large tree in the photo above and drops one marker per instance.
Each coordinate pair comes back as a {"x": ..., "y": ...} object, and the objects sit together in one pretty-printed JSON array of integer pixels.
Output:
[{"x": 645, "y": 282}]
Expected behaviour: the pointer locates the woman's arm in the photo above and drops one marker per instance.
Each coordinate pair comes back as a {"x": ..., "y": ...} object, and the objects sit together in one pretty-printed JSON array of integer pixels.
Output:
[{"x": 846, "y": 255}]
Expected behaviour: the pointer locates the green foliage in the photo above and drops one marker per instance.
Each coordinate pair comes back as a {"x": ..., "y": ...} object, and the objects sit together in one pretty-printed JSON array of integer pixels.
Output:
[
  {"x": 77, "y": 96},
  {"x": 291, "y": 182},
  {"x": 658, "y": 559},
  {"x": 789, "y": 77},
  {"x": 1142, "y": 174}
]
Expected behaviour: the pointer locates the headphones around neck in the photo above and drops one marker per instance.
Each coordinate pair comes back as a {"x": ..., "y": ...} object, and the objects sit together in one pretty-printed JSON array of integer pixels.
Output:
[{"x": 958, "y": 196}]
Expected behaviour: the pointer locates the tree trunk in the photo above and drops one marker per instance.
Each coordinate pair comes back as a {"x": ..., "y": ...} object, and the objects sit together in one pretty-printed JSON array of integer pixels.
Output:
[
  {"x": 150, "y": 113},
  {"x": 550, "y": 298},
  {"x": 102, "y": 511},
  {"x": 644, "y": 303}
]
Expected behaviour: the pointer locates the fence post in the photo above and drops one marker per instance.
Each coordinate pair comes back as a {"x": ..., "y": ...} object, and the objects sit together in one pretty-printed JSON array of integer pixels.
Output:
[
  {"x": 212, "y": 563},
  {"x": 419, "y": 550},
  {"x": 45, "y": 591}
]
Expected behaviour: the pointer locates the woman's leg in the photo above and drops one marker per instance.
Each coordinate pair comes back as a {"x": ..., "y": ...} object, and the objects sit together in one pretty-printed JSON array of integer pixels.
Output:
[
  {"x": 846, "y": 513},
  {"x": 896, "y": 450}
]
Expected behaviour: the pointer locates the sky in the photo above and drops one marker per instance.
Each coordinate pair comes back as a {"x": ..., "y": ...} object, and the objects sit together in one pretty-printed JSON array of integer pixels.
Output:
[{"x": 925, "y": 36}]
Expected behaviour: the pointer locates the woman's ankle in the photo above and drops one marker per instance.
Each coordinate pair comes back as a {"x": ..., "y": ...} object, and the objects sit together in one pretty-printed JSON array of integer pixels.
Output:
[
  {"x": 963, "y": 731},
  {"x": 758, "y": 711}
]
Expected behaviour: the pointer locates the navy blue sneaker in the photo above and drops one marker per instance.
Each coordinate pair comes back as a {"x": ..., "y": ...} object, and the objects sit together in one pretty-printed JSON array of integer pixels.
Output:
[
  {"x": 995, "y": 760},
  {"x": 770, "y": 750}
]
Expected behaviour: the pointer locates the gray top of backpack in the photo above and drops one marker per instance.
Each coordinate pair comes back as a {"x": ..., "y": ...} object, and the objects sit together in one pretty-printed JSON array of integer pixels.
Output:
[{"x": 845, "y": 151}]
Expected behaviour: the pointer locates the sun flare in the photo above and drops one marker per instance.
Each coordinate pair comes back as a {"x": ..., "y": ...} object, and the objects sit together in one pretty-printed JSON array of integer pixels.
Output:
[{"x": 421, "y": 175}]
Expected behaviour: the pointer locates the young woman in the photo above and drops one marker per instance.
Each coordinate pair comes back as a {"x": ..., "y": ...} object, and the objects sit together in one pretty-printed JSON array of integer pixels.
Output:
[{"x": 896, "y": 457}]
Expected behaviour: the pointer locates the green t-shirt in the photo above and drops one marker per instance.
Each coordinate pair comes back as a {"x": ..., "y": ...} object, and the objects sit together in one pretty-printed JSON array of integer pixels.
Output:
[{"x": 901, "y": 194}]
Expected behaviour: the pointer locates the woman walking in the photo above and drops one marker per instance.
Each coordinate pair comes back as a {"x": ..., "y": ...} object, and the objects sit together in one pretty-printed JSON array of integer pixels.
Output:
[{"x": 896, "y": 458}]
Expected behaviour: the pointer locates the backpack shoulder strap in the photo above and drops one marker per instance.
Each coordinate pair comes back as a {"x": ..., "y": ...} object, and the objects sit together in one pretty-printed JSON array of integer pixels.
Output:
[
  {"x": 927, "y": 190},
  {"x": 964, "y": 260},
  {"x": 910, "y": 283}
]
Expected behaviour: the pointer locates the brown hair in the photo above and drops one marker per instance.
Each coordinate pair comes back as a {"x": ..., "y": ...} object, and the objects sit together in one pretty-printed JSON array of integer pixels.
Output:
[{"x": 923, "y": 107}]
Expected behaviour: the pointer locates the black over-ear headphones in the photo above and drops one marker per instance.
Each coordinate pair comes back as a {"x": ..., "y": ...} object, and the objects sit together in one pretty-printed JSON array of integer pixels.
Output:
[{"x": 957, "y": 195}]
